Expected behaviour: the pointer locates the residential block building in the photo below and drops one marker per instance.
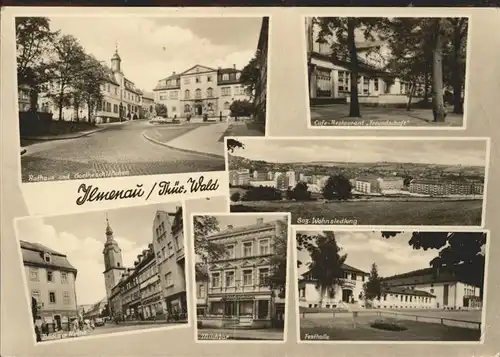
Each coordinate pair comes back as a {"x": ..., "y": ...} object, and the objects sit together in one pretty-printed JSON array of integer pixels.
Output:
[
  {"x": 375, "y": 184},
  {"x": 51, "y": 283},
  {"x": 239, "y": 177},
  {"x": 445, "y": 187},
  {"x": 239, "y": 292},
  {"x": 200, "y": 91}
]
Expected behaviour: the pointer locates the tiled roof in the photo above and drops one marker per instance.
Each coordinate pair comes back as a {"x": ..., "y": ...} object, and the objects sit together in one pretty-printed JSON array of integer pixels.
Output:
[
  {"x": 228, "y": 70},
  {"x": 33, "y": 255},
  {"x": 238, "y": 230},
  {"x": 406, "y": 291},
  {"x": 345, "y": 267}
]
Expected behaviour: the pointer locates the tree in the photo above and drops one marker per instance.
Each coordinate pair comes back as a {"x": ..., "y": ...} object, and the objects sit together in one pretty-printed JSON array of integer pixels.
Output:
[
  {"x": 250, "y": 74},
  {"x": 373, "y": 287},
  {"x": 33, "y": 42},
  {"x": 458, "y": 33},
  {"x": 300, "y": 192},
  {"x": 34, "y": 308},
  {"x": 326, "y": 264},
  {"x": 304, "y": 242},
  {"x": 343, "y": 31},
  {"x": 203, "y": 226},
  {"x": 233, "y": 144},
  {"x": 241, "y": 108},
  {"x": 278, "y": 261},
  {"x": 161, "y": 110},
  {"x": 67, "y": 66},
  {"x": 460, "y": 253},
  {"x": 235, "y": 197},
  {"x": 438, "y": 108},
  {"x": 262, "y": 193},
  {"x": 337, "y": 187}
]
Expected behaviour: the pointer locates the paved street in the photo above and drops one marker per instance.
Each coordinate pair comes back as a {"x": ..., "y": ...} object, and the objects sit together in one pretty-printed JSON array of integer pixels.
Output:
[
  {"x": 336, "y": 115},
  {"x": 119, "y": 150}
]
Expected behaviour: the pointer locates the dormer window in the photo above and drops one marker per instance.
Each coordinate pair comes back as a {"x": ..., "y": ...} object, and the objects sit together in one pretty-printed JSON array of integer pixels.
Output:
[{"x": 47, "y": 258}]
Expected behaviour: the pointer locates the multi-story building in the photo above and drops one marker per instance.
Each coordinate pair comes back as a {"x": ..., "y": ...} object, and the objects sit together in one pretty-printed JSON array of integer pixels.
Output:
[
  {"x": 260, "y": 95},
  {"x": 96, "y": 310},
  {"x": 168, "y": 243},
  {"x": 200, "y": 91},
  {"x": 148, "y": 110},
  {"x": 350, "y": 291},
  {"x": 51, "y": 283},
  {"x": 121, "y": 100},
  {"x": 388, "y": 184},
  {"x": 443, "y": 187},
  {"x": 478, "y": 188},
  {"x": 293, "y": 178},
  {"x": 282, "y": 182},
  {"x": 374, "y": 184},
  {"x": 239, "y": 292},
  {"x": 259, "y": 175},
  {"x": 329, "y": 74},
  {"x": 239, "y": 177},
  {"x": 264, "y": 183},
  {"x": 151, "y": 296},
  {"x": 201, "y": 282},
  {"x": 450, "y": 291},
  {"x": 401, "y": 297}
]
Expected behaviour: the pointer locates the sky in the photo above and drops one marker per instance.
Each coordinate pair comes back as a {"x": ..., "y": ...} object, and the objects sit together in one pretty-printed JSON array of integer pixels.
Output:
[
  {"x": 82, "y": 236},
  {"x": 392, "y": 256},
  {"x": 443, "y": 152},
  {"x": 152, "y": 48}
]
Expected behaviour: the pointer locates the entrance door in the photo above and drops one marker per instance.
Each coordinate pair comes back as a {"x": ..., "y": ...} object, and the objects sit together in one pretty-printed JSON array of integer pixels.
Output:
[
  {"x": 346, "y": 295},
  {"x": 262, "y": 309},
  {"x": 230, "y": 308},
  {"x": 446, "y": 290},
  {"x": 198, "y": 109},
  {"x": 57, "y": 319}
]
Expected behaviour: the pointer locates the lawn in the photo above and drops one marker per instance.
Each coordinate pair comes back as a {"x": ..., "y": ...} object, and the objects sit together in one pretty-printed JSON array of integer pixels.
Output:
[
  {"x": 343, "y": 329},
  {"x": 445, "y": 213}
]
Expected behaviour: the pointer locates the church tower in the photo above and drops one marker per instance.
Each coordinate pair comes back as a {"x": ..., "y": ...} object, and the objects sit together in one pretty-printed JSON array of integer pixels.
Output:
[
  {"x": 113, "y": 263},
  {"x": 116, "y": 62}
]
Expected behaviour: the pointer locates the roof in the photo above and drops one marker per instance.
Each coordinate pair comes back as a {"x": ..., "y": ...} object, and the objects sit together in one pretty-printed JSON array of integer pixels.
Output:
[
  {"x": 367, "y": 178},
  {"x": 148, "y": 95},
  {"x": 406, "y": 291},
  {"x": 228, "y": 70},
  {"x": 33, "y": 255},
  {"x": 426, "y": 276},
  {"x": 239, "y": 230},
  {"x": 346, "y": 267}
]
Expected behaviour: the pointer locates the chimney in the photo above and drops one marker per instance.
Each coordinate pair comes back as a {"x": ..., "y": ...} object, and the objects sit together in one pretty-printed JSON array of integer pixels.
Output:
[
  {"x": 260, "y": 220},
  {"x": 229, "y": 226},
  {"x": 234, "y": 66}
]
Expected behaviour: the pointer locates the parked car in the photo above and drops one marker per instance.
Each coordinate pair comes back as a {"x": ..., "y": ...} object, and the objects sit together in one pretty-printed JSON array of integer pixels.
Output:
[{"x": 99, "y": 322}]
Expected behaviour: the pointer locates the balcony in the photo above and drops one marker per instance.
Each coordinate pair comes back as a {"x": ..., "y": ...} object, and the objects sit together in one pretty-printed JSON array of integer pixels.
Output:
[{"x": 239, "y": 289}]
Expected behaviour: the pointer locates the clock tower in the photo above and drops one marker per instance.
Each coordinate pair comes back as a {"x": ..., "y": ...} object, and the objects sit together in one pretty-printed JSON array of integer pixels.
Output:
[{"x": 113, "y": 263}]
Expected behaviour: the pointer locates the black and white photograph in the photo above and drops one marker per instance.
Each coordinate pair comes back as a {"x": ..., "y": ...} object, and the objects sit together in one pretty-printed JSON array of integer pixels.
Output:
[
  {"x": 97, "y": 273},
  {"x": 127, "y": 96},
  {"x": 403, "y": 286},
  {"x": 240, "y": 276},
  {"x": 361, "y": 180},
  {"x": 394, "y": 72}
]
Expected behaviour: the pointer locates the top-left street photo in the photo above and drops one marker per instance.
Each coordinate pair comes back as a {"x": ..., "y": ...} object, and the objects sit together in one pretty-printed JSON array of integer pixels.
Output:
[{"x": 102, "y": 97}]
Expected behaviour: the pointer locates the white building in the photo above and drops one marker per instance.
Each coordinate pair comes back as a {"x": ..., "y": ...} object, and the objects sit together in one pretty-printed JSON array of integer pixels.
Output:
[{"x": 263, "y": 183}]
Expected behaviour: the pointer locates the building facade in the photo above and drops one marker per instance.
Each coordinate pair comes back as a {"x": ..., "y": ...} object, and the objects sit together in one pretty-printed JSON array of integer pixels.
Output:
[
  {"x": 378, "y": 185},
  {"x": 148, "y": 110},
  {"x": 238, "y": 284},
  {"x": 260, "y": 95},
  {"x": 329, "y": 74},
  {"x": 201, "y": 91},
  {"x": 51, "y": 282},
  {"x": 445, "y": 188},
  {"x": 239, "y": 178}
]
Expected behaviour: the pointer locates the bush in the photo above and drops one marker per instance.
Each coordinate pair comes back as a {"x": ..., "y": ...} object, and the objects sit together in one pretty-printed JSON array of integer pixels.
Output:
[
  {"x": 389, "y": 325},
  {"x": 199, "y": 324},
  {"x": 235, "y": 197}
]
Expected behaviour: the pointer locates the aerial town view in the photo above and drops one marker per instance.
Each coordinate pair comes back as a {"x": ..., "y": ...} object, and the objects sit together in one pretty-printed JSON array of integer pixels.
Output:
[
  {"x": 360, "y": 181},
  {"x": 387, "y": 71},
  {"x": 88, "y": 109},
  {"x": 97, "y": 273},
  {"x": 240, "y": 276},
  {"x": 383, "y": 286}
]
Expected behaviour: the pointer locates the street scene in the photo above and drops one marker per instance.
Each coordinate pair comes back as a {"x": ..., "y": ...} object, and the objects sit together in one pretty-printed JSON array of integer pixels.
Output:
[
  {"x": 383, "y": 286},
  {"x": 387, "y": 72},
  {"x": 372, "y": 181},
  {"x": 100, "y": 272},
  {"x": 240, "y": 276},
  {"x": 87, "y": 108}
]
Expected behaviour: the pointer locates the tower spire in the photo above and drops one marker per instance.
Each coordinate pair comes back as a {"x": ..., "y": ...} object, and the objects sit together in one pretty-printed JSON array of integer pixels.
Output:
[{"x": 109, "y": 231}]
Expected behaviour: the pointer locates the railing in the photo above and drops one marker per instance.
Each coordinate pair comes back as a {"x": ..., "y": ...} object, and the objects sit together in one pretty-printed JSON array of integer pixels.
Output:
[{"x": 430, "y": 319}]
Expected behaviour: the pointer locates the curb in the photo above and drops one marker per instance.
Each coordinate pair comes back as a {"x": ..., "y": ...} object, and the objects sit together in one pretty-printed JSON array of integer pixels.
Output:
[
  {"x": 51, "y": 138},
  {"x": 212, "y": 156}
]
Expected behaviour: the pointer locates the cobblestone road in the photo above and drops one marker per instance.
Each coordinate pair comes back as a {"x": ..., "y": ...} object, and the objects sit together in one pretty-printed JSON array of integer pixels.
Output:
[{"x": 116, "y": 151}]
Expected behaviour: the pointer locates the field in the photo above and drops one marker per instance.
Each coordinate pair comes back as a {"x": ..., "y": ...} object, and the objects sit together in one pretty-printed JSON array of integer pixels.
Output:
[
  {"x": 444, "y": 213},
  {"x": 342, "y": 328}
]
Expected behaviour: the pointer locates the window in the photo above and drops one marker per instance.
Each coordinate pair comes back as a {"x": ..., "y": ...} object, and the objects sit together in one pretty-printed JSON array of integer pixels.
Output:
[
  {"x": 168, "y": 279},
  {"x": 52, "y": 297},
  {"x": 163, "y": 97},
  {"x": 229, "y": 279},
  {"x": 432, "y": 291},
  {"x": 173, "y": 95},
  {"x": 35, "y": 294},
  {"x": 108, "y": 107},
  {"x": 353, "y": 276},
  {"x": 263, "y": 276},
  {"x": 230, "y": 251},
  {"x": 115, "y": 108},
  {"x": 163, "y": 253},
  {"x": 34, "y": 274},
  {"x": 197, "y": 79},
  {"x": 362, "y": 278},
  {"x": 226, "y": 91},
  {"x": 238, "y": 75},
  {"x": 247, "y": 277},
  {"x": 210, "y": 92},
  {"x": 170, "y": 249},
  {"x": 116, "y": 91},
  {"x": 109, "y": 89},
  {"x": 264, "y": 247},
  {"x": 186, "y": 94},
  {"x": 174, "y": 109},
  {"x": 64, "y": 277},
  {"x": 375, "y": 87},
  {"x": 201, "y": 291},
  {"x": 197, "y": 94},
  {"x": 187, "y": 108},
  {"x": 50, "y": 276},
  {"x": 226, "y": 105},
  {"x": 247, "y": 249},
  {"x": 209, "y": 78},
  {"x": 47, "y": 258},
  {"x": 225, "y": 77},
  {"x": 66, "y": 299},
  {"x": 215, "y": 280},
  {"x": 344, "y": 81}
]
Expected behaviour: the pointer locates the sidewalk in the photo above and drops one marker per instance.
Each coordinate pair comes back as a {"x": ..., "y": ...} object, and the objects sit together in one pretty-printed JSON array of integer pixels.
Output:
[
  {"x": 79, "y": 134},
  {"x": 202, "y": 140},
  {"x": 244, "y": 128}
]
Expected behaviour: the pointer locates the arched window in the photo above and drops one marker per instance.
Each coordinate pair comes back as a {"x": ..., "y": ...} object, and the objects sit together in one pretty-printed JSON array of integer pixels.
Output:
[
  {"x": 187, "y": 108},
  {"x": 198, "y": 93},
  {"x": 210, "y": 92},
  {"x": 186, "y": 94},
  {"x": 226, "y": 105},
  {"x": 210, "y": 106}
]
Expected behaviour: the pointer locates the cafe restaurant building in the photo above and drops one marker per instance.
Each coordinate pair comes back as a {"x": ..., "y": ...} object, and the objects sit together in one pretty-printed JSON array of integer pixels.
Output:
[{"x": 238, "y": 284}]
